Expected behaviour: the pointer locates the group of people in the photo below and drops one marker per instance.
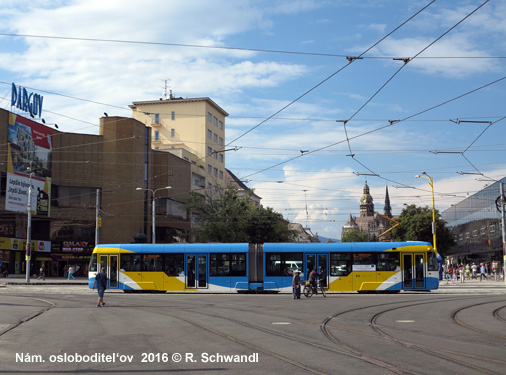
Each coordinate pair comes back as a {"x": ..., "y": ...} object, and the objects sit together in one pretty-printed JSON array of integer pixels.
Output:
[
  {"x": 453, "y": 273},
  {"x": 296, "y": 283}
]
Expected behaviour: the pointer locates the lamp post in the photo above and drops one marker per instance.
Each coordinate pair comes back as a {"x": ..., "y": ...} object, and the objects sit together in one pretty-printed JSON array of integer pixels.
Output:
[
  {"x": 153, "y": 219},
  {"x": 425, "y": 175}
]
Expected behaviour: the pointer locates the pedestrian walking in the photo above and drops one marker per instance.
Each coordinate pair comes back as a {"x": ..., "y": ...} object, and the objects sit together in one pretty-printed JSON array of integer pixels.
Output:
[
  {"x": 461, "y": 273},
  {"x": 482, "y": 272},
  {"x": 71, "y": 273},
  {"x": 468, "y": 271},
  {"x": 42, "y": 274},
  {"x": 101, "y": 283}
]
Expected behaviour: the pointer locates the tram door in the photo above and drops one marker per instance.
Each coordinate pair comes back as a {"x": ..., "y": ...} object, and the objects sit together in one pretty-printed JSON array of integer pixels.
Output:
[
  {"x": 320, "y": 263},
  {"x": 196, "y": 271},
  {"x": 110, "y": 263},
  {"x": 413, "y": 276}
]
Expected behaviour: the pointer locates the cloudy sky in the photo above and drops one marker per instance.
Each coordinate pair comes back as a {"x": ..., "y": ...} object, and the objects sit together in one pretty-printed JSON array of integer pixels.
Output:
[{"x": 322, "y": 95}]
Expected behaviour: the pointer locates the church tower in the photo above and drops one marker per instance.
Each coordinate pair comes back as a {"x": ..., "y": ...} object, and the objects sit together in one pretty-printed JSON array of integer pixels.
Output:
[
  {"x": 388, "y": 208},
  {"x": 366, "y": 203}
]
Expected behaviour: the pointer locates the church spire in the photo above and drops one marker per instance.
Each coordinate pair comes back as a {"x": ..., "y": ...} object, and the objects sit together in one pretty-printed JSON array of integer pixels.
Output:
[{"x": 388, "y": 208}]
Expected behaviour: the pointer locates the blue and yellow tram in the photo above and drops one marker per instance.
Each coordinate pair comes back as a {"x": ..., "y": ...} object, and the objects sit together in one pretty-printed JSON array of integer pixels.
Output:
[{"x": 268, "y": 267}]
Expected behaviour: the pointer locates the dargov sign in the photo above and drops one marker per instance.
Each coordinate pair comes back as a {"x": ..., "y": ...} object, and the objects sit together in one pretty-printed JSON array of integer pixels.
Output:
[{"x": 26, "y": 101}]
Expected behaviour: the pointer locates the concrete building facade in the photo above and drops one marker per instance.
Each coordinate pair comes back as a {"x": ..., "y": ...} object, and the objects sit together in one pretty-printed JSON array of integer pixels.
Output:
[{"x": 65, "y": 171}]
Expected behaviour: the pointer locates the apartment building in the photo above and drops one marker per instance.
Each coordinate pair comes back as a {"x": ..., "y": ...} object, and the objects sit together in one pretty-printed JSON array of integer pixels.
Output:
[{"x": 194, "y": 130}]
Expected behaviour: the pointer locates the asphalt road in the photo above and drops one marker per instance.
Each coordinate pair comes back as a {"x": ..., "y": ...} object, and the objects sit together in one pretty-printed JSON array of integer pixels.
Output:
[{"x": 57, "y": 329}]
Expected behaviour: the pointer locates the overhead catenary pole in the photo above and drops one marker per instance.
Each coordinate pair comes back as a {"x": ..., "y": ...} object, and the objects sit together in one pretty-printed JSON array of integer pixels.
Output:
[
  {"x": 98, "y": 219},
  {"x": 28, "y": 255},
  {"x": 503, "y": 221}
]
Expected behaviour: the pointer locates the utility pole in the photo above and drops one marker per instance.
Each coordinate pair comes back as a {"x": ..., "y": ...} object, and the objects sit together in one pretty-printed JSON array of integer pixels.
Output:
[
  {"x": 28, "y": 255},
  {"x": 503, "y": 221},
  {"x": 98, "y": 219}
]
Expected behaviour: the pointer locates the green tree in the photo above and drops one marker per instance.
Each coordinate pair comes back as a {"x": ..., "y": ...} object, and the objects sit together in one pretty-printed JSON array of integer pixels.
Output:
[
  {"x": 416, "y": 225},
  {"x": 354, "y": 236},
  {"x": 231, "y": 218}
]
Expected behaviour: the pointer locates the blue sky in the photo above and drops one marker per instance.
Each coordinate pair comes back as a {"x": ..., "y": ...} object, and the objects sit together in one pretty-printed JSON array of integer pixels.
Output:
[{"x": 456, "y": 76}]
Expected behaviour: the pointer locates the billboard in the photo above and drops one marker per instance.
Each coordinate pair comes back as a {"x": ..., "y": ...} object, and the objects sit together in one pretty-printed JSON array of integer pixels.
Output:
[{"x": 28, "y": 162}]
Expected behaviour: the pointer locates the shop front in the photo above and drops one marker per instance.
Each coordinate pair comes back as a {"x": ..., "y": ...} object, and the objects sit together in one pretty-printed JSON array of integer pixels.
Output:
[{"x": 71, "y": 253}]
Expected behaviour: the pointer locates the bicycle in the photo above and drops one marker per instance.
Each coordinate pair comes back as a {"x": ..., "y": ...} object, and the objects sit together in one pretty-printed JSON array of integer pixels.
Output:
[{"x": 309, "y": 290}]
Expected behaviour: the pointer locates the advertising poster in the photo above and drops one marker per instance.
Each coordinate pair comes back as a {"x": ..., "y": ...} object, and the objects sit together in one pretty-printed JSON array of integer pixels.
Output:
[{"x": 29, "y": 150}]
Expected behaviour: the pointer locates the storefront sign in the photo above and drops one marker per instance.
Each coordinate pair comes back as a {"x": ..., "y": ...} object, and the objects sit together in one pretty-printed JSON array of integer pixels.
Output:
[
  {"x": 7, "y": 243},
  {"x": 26, "y": 101}
]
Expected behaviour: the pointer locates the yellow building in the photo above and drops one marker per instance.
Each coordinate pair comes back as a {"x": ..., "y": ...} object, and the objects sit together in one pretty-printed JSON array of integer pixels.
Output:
[{"x": 194, "y": 130}]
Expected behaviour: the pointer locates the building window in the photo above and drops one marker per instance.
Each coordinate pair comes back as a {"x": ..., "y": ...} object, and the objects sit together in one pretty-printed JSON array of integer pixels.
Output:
[
  {"x": 221, "y": 158},
  {"x": 173, "y": 115},
  {"x": 221, "y": 174},
  {"x": 467, "y": 235},
  {"x": 475, "y": 233},
  {"x": 492, "y": 228},
  {"x": 215, "y": 155},
  {"x": 221, "y": 141},
  {"x": 157, "y": 118},
  {"x": 209, "y": 151},
  {"x": 173, "y": 132},
  {"x": 209, "y": 117},
  {"x": 215, "y": 138},
  {"x": 461, "y": 237},
  {"x": 157, "y": 135},
  {"x": 482, "y": 230},
  {"x": 215, "y": 172},
  {"x": 215, "y": 121},
  {"x": 209, "y": 169},
  {"x": 221, "y": 125},
  {"x": 209, "y": 134}
]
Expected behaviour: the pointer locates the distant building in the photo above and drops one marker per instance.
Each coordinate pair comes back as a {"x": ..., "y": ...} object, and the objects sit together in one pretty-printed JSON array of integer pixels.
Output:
[
  {"x": 303, "y": 234},
  {"x": 476, "y": 225},
  {"x": 369, "y": 222},
  {"x": 231, "y": 179}
]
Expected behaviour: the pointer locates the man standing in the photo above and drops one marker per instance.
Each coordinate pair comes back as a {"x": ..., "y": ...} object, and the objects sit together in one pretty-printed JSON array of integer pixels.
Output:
[
  {"x": 296, "y": 285},
  {"x": 101, "y": 282}
]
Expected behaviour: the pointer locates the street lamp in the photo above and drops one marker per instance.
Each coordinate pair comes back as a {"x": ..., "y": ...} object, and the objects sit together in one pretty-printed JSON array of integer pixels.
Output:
[
  {"x": 425, "y": 175},
  {"x": 153, "y": 220}
]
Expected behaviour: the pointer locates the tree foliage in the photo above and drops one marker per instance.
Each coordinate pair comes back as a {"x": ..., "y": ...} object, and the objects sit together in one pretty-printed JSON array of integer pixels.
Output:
[
  {"x": 416, "y": 225},
  {"x": 354, "y": 236},
  {"x": 231, "y": 218}
]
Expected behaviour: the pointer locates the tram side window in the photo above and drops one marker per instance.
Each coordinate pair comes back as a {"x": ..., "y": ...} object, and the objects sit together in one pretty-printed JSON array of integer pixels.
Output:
[
  {"x": 130, "y": 262},
  {"x": 220, "y": 265},
  {"x": 237, "y": 264},
  {"x": 174, "y": 264},
  {"x": 364, "y": 262},
  {"x": 388, "y": 262},
  {"x": 340, "y": 264},
  {"x": 152, "y": 262},
  {"x": 272, "y": 264},
  {"x": 283, "y": 264}
]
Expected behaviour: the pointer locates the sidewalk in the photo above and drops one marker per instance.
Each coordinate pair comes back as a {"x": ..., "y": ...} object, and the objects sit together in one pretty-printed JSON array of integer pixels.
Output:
[
  {"x": 21, "y": 280},
  {"x": 476, "y": 283}
]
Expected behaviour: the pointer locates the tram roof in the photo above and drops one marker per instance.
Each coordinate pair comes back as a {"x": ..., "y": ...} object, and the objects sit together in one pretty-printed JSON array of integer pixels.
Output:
[{"x": 270, "y": 247}]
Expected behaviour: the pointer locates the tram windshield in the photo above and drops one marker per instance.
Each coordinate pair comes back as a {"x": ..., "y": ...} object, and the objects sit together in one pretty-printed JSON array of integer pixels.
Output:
[
  {"x": 432, "y": 263},
  {"x": 93, "y": 263}
]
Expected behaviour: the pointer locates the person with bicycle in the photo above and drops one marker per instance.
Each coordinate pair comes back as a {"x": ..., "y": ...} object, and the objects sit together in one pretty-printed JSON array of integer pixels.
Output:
[{"x": 312, "y": 280}]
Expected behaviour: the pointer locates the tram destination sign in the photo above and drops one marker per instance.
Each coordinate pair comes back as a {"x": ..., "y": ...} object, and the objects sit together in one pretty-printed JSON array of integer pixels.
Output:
[{"x": 26, "y": 101}]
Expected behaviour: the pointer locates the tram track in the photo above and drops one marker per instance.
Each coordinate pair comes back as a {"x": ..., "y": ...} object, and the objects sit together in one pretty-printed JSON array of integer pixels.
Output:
[
  {"x": 436, "y": 351},
  {"x": 346, "y": 352}
]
